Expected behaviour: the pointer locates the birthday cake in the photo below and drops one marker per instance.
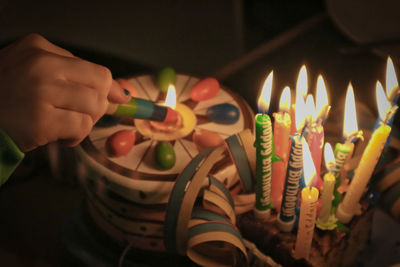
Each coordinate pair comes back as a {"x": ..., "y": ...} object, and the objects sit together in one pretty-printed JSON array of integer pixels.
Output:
[
  {"x": 188, "y": 189},
  {"x": 132, "y": 169}
]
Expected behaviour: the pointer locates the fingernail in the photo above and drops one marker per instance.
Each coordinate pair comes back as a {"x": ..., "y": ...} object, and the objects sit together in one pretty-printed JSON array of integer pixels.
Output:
[{"x": 126, "y": 92}]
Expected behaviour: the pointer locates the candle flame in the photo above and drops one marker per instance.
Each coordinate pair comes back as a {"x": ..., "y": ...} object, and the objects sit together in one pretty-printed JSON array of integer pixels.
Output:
[
  {"x": 170, "y": 99},
  {"x": 350, "y": 118},
  {"x": 300, "y": 115},
  {"x": 284, "y": 102},
  {"x": 322, "y": 106},
  {"x": 311, "y": 113},
  {"x": 265, "y": 96},
  {"x": 392, "y": 85},
  {"x": 329, "y": 157},
  {"x": 302, "y": 82},
  {"x": 308, "y": 165},
  {"x": 383, "y": 103}
]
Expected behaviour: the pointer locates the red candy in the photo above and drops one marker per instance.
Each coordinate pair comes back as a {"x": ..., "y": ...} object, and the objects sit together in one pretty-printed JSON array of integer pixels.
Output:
[
  {"x": 120, "y": 143},
  {"x": 128, "y": 86},
  {"x": 204, "y": 89},
  {"x": 205, "y": 138}
]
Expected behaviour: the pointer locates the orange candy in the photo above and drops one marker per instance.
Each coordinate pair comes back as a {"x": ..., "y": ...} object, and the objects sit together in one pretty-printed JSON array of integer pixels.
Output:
[
  {"x": 120, "y": 143},
  {"x": 204, "y": 89},
  {"x": 205, "y": 138}
]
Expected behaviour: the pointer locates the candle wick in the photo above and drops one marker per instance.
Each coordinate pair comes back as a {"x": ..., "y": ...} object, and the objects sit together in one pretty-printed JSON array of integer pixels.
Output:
[
  {"x": 390, "y": 113},
  {"x": 353, "y": 137}
]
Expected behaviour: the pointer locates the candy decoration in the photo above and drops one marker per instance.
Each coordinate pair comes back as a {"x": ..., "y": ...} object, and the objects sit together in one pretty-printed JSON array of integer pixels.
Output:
[
  {"x": 166, "y": 77},
  {"x": 223, "y": 113},
  {"x": 204, "y": 89},
  {"x": 165, "y": 155},
  {"x": 205, "y": 138},
  {"x": 120, "y": 143}
]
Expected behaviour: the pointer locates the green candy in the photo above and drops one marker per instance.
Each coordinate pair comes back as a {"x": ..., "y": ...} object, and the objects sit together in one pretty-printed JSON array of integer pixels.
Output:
[
  {"x": 166, "y": 77},
  {"x": 165, "y": 155}
]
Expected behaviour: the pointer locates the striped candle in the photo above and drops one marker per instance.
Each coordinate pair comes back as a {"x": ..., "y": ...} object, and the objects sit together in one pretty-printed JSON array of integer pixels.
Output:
[{"x": 263, "y": 144}]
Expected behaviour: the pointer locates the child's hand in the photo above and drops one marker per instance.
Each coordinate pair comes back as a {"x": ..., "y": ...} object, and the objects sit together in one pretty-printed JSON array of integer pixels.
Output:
[{"x": 47, "y": 94}]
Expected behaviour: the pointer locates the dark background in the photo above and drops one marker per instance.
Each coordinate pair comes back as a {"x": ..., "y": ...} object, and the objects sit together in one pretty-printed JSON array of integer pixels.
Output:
[{"x": 238, "y": 42}]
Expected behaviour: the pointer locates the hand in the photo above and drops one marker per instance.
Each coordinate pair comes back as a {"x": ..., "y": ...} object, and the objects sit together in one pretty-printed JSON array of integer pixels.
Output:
[{"x": 47, "y": 94}]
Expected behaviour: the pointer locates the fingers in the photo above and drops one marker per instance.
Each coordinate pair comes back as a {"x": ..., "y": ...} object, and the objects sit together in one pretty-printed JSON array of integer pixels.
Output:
[
  {"x": 77, "y": 97},
  {"x": 87, "y": 73},
  {"x": 75, "y": 127},
  {"x": 118, "y": 94}
]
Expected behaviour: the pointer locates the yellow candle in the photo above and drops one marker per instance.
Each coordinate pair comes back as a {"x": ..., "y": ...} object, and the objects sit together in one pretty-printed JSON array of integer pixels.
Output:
[
  {"x": 308, "y": 209},
  {"x": 282, "y": 125},
  {"x": 328, "y": 185},
  {"x": 343, "y": 152},
  {"x": 350, "y": 204},
  {"x": 363, "y": 173},
  {"x": 327, "y": 194}
]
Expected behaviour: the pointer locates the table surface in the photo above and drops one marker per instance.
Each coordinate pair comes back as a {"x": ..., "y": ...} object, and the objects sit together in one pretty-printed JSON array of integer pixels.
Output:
[{"x": 35, "y": 205}]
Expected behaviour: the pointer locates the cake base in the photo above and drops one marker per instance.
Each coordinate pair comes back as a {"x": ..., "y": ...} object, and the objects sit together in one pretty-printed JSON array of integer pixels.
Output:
[
  {"x": 82, "y": 243},
  {"x": 329, "y": 248}
]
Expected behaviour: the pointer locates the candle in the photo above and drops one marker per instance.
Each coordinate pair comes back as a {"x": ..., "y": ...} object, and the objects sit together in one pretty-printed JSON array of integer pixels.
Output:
[
  {"x": 308, "y": 210},
  {"x": 350, "y": 204},
  {"x": 326, "y": 219},
  {"x": 350, "y": 135},
  {"x": 282, "y": 124},
  {"x": 170, "y": 98},
  {"x": 263, "y": 144},
  {"x": 314, "y": 133},
  {"x": 287, "y": 215},
  {"x": 143, "y": 109},
  {"x": 392, "y": 85},
  {"x": 392, "y": 93},
  {"x": 301, "y": 90}
]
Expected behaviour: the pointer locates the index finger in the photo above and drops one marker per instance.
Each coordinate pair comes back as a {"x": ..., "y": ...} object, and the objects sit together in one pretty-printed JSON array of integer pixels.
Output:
[
  {"x": 87, "y": 73},
  {"x": 37, "y": 41}
]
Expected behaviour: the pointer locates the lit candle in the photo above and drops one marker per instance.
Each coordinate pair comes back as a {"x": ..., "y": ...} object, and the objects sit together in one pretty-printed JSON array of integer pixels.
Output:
[
  {"x": 287, "y": 215},
  {"x": 392, "y": 85},
  {"x": 170, "y": 99},
  {"x": 392, "y": 92},
  {"x": 308, "y": 209},
  {"x": 301, "y": 90},
  {"x": 350, "y": 204},
  {"x": 326, "y": 219},
  {"x": 350, "y": 135},
  {"x": 314, "y": 132},
  {"x": 263, "y": 144},
  {"x": 309, "y": 111},
  {"x": 170, "y": 102},
  {"x": 282, "y": 125}
]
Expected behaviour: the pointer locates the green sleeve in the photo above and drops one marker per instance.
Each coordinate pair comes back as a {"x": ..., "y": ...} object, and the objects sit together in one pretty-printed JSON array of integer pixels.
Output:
[{"x": 10, "y": 156}]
